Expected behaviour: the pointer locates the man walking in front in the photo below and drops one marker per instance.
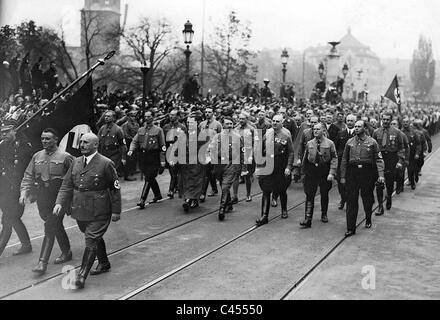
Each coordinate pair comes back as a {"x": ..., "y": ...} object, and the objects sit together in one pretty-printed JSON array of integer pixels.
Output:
[{"x": 91, "y": 188}]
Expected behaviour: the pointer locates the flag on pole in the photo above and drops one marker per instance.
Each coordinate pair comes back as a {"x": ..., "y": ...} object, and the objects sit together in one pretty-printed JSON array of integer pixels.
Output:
[
  {"x": 393, "y": 92},
  {"x": 69, "y": 112}
]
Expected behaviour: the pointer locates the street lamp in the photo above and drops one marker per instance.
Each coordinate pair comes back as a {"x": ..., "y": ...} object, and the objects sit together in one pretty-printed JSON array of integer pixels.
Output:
[
  {"x": 144, "y": 69},
  {"x": 284, "y": 57},
  {"x": 188, "y": 34},
  {"x": 321, "y": 70},
  {"x": 345, "y": 70}
]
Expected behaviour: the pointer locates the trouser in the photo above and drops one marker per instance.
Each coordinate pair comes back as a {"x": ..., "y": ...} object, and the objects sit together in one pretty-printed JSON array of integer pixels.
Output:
[
  {"x": 419, "y": 164},
  {"x": 11, "y": 219},
  {"x": 174, "y": 175},
  {"x": 227, "y": 174},
  {"x": 94, "y": 232},
  {"x": 130, "y": 166},
  {"x": 341, "y": 186},
  {"x": 363, "y": 180},
  {"x": 412, "y": 169},
  {"x": 391, "y": 175},
  {"x": 209, "y": 179},
  {"x": 311, "y": 183},
  {"x": 150, "y": 183},
  {"x": 53, "y": 225}
]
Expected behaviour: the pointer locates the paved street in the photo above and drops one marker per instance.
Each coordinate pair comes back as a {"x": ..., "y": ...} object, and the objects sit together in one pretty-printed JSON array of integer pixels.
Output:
[{"x": 178, "y": 254}]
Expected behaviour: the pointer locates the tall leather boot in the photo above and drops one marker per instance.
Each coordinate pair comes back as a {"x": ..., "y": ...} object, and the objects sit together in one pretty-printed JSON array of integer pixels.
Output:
[
  {"x": 87, "y": 263},
  {"x": 283, "y": 200},
  {"x": 248, "y": 188},
  {"x": 144, "y": 194},
  {"x": 379, "y": 193},
  {"x": 46, "y": 249},
  {"x": 265, "y": 205},
  {"x": 307, "y": 223},
  {"x": 221, "y": 210},
  {"x": 23, "y": 235},
  {"x": 5, "y": 235},
  {"x": 103, "y": 263}
]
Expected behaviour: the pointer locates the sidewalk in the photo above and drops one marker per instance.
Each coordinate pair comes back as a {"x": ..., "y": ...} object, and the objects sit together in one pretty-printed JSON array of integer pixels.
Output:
[{"x": 399, "y": 258}]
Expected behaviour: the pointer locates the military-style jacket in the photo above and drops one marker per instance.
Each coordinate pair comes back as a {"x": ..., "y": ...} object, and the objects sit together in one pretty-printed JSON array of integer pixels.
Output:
[
  {"x": 150, "y": 139},
  {"x": 290, "y": 125},
  {"x": 321, "y": 152},
  {"x": 93, "y": 192},
  {"x": 362, "y": 152},
  {"x": 45, "y": 168},
  {"x": 111, "y": 141},
  {"x": 304, "y": 138},
  {"x": 394, "y": 143},
  {"x": 226, "y": 148},
  {"x": 415, "y": 145},
  {"x": 172, "y": 130},
  {"x": 129, "y": 129},
  {"x": 14, "y": 157},
  {"x": 209, "y": 129},
  {"x": 341, "y": 140},
  {"x": 283, "y": 145},
  {"x": 266, "y": 124},
  {"x": 248, "y": 134}
]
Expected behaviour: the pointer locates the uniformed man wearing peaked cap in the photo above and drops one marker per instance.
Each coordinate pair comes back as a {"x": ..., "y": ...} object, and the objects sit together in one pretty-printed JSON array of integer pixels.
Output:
[
  {"x": 15, "y": 153},
  {"x": 46, "y": 171},
  {"x": 91, "y": 189},
  {"x": 150, "y": 142}
]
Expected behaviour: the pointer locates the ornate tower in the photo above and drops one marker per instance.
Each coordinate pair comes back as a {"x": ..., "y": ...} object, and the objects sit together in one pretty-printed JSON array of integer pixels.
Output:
[{"x": 100, "y": 21}]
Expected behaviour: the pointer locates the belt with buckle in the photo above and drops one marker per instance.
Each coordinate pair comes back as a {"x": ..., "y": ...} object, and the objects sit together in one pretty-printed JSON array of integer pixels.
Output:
[{"x": 360, "y": 166}]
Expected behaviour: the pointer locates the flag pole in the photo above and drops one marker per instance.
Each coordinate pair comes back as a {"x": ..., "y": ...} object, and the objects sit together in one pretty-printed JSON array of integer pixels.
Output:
[{"x": 39, "y": 111}]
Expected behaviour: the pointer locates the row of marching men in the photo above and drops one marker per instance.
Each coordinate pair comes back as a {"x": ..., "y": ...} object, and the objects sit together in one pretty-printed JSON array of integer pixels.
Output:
[{"x": 88, "y": 188}]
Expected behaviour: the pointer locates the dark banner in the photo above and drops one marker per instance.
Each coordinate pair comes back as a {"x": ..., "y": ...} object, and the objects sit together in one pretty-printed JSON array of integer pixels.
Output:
[{"x": 64, "y": 115}]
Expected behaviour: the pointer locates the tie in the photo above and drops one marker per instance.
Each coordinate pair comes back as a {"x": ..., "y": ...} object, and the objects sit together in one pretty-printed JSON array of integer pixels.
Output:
[
  {"x": 85, "y": 162},
  {"x": 318, "y": 154},
  {"x": 385, "y": 138}
]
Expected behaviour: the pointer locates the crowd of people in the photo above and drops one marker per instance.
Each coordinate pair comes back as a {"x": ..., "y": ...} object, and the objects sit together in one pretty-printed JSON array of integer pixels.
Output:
[{"x": 217, "y": 141}]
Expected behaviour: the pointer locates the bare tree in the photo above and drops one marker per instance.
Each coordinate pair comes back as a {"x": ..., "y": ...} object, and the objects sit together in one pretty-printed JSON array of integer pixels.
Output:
[
  {"x": 91, "y": 34},
  {"x": 228, "y": 56},
  {"x": 152, "y": 41}
]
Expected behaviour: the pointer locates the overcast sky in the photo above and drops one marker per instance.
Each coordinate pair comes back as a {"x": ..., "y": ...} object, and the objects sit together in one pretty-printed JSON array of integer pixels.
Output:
[{"x": 390, "y": 27}]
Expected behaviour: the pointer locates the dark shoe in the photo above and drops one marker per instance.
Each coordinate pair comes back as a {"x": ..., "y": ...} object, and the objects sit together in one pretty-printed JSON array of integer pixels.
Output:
[
  {"x": 234, "y": 200},
  {"x": 155, "y": 199},
  {"x": 248, "y": 198},
  {"x": 284, "y": 214},
  {"x": 416, "y": 178},
  {"x": 350, "y": 233},
  {"x": 324, "y": 218},
  {"x": 64, "y": 257},
  {"x": 170, "y": 195},
  {"x": 274, "y": 202},
  {"x": 221, "y": 214},
  {"x": 40, "y": 268},
  {"x": 213, "y": 194},
  {"x": 141, "y": 204},
  {"x": 101, "y": 268},
  {"x": 186, "y": 206},
  {"x": 419, "y": 174},
  {"x": 129, "y": 179},
  {"x": 341, "y": 205},
  {"x": 25, "y": 248},
  {"x": 307, "y": 223},
  {"x": 264, "y": 220},
  {"x": 368, "y": 224},
  {"x": 194, "y": 204},
  {"x": 202, "y": 198},
  {"x": 389, "y": 203},
  {"x": 380, "y": 211},
  {"x": 413, "y": 187}
]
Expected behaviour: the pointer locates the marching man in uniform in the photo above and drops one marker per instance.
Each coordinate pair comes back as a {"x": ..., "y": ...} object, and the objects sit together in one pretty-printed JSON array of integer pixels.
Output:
[
  {"x": 47, "y": 169},
  {"x": 91, "y": 188}
]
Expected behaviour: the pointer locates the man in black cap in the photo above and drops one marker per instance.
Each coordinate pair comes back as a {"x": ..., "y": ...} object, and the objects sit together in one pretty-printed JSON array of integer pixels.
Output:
[{"x": 14, "y": 155}]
